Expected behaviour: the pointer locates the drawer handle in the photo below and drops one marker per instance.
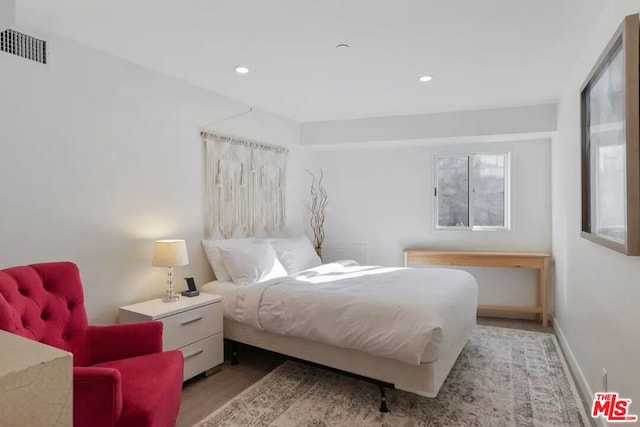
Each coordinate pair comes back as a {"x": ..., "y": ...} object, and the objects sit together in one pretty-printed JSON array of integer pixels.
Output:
[
  {"x": 186, "y": 322},
  {"x": 195, "y": 353}
]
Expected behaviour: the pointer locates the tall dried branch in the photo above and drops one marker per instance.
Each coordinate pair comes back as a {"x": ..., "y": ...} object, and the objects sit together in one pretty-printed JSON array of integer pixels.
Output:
[{"x": 317, "y": 208}]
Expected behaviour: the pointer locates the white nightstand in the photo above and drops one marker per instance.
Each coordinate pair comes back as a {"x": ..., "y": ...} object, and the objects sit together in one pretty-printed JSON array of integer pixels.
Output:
[{"x": 192, "y": 325}]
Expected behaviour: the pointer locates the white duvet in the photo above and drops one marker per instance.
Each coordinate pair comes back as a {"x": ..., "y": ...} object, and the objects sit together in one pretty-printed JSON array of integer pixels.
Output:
[{"x": 388, "y": 312}]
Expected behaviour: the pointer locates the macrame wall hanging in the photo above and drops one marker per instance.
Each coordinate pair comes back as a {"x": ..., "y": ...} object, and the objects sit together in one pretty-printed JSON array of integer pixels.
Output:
[{"x": 245, "y": 186}]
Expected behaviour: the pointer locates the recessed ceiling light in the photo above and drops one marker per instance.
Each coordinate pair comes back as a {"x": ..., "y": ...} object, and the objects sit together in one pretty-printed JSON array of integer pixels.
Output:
[
  {"x": 241, "y": 70},
  {"x": 426, "y": 78}
]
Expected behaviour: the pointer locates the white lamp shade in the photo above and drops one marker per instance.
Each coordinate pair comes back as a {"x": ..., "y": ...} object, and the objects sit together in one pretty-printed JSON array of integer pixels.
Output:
[{"x": 170, "y": 253}]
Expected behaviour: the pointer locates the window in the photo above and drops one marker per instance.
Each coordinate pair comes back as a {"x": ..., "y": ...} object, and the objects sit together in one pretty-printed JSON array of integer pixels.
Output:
[{"x": 472, "y": 191}]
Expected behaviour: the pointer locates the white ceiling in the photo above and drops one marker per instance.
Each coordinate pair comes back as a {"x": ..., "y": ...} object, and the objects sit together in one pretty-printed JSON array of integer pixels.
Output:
[{"x": 482, "y": 53}]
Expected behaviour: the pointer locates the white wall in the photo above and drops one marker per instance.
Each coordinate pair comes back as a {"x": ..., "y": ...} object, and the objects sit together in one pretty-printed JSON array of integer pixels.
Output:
[
  {"x": 470, "y": 126},
  {"x": 381, "y": 199},
  {"x": 100, "y": 157},
  {"x": 7, "y": 14},
  {"x": 598, "y": 290}
]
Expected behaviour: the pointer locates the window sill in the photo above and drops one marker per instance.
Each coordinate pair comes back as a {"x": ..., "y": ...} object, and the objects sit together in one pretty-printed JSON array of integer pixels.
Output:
[{"x": 481, "y": 229}]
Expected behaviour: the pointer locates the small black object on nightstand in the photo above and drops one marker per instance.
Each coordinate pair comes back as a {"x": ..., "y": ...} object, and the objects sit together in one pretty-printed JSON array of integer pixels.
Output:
[{"x": 192, "y": 291}]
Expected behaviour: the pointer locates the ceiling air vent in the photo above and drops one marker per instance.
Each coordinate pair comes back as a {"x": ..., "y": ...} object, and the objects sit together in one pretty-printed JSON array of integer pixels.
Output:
[{"x": 23, "y": 45}]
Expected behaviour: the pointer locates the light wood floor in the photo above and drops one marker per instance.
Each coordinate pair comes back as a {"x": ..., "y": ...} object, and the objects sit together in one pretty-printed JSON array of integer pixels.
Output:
[{"x": 203, "y": 395}]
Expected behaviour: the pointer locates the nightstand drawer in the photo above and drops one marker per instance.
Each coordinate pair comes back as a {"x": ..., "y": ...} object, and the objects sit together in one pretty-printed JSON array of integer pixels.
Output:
[
  {"x": 191, "y": 326},
  {"x": 202, "y": 355}
]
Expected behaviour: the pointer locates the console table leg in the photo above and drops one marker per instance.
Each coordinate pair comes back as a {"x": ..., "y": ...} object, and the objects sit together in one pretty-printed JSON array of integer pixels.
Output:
[
  {"x": 545, "y": 289},
  {"x": 539, "y": 292}
]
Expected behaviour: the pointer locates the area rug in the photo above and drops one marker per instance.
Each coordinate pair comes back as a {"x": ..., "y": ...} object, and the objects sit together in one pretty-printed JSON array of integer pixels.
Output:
[{"x": 503, "y": 377}]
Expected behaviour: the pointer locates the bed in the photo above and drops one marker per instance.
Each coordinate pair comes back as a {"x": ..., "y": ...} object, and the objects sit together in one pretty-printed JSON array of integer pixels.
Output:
[{"x": 401, "y": 327}]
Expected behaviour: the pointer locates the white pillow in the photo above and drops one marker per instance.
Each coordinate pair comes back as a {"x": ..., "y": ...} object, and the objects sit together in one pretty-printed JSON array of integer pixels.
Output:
[
  {"x": 249, "y": 264},
  {"x": 296, "y": 254},
  {"x": 211, "y": 248}
]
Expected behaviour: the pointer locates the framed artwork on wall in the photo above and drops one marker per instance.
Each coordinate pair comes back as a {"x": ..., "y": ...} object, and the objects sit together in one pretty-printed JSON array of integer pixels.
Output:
[{"x": 610, "y": 131}]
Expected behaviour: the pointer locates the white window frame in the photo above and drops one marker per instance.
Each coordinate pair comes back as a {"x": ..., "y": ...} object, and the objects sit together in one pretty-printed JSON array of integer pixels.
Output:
[{"x": 507, "y": 193}]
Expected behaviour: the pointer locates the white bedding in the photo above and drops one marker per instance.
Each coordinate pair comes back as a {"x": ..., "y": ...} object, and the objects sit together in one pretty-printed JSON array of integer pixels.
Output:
[{"x": 397, "y": 313}]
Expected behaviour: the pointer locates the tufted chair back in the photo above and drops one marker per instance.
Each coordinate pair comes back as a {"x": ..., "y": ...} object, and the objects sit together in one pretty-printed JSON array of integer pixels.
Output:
[{"x": 45, "y": 302}]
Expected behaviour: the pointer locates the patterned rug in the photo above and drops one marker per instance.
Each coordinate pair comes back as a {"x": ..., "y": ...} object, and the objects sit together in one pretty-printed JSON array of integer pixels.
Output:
[{"x": 503, "y": 377}]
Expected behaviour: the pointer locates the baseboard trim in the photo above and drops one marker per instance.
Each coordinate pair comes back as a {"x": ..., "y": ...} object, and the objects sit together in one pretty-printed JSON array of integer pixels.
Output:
[{"x": 585, "y": 391}]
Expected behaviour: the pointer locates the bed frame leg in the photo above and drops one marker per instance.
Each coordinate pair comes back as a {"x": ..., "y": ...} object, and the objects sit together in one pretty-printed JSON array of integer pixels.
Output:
[
  {"x": 234, "y": 353},
  {"x": 383, "y": 400}
]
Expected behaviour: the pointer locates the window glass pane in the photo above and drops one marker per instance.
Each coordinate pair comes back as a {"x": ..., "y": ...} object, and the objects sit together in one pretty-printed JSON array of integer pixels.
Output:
[
  {"x": 607, "y": 152},
  {"x": 453, "y": 191},
  {"x": 488, "y": 181},
  {"x": 609, "y": 213}
]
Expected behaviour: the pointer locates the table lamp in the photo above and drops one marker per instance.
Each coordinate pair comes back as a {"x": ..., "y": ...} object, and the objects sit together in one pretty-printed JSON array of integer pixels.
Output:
[{"x": 170, "y": 253}]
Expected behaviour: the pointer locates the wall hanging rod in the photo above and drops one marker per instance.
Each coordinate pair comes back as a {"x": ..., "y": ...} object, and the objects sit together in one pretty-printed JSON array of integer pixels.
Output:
[{"x": 235, "y": 140}]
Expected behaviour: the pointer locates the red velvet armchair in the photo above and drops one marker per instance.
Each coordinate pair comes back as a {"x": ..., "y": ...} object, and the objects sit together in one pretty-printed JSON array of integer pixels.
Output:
[{"x": 121, "y": 377}]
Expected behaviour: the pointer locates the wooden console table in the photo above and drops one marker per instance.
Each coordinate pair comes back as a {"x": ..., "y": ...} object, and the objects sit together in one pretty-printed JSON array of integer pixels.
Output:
[{"x": 537, "y": 261}]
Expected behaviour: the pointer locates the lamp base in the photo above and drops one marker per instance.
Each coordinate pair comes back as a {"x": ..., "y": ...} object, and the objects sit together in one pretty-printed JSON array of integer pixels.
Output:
[{"x": 171, "y": 296}]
